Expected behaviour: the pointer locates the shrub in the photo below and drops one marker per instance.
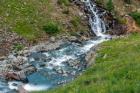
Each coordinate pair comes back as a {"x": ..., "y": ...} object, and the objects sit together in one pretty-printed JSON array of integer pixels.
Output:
[
  {"x": 136, "y": 16},
  {"x": 51, "y": 28},
  {"x": 110, "y": 6}
]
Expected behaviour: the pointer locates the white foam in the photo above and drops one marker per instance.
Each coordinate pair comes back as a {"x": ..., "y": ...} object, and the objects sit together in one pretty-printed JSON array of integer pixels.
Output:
[
  {"x": 30, "y": 87},
  {"x": 58, "y": 61},
  {"x": 11, "y": 85},
  {"x": 31, "y": 59},
  {"x": 45, "y": 53}
]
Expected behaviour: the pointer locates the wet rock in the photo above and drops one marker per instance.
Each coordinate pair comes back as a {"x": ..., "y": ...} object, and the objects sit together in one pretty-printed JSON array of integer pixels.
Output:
[
  {"x": 16, "y": 76},
  {"x": 58, "y": 70},
  {"x": 73, "y": 63},
  {"x": 90, "y": 56},
  {"x": 73, "y": 73},
  {"x": 29, "y": 70},
  {"x": 38, "y": 56},
  {"x": 21, "y": 90}
]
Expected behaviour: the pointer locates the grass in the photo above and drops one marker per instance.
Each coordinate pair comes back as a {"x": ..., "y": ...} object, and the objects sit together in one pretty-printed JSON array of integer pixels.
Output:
[
  {"x": 28, "y": 18},
  {"x": 116, "y": 69},
  {"x": 25, "y": 17}
]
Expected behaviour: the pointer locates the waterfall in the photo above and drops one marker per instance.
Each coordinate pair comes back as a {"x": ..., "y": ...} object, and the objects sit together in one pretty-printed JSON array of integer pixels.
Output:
[{"x": 96, "y": 23}]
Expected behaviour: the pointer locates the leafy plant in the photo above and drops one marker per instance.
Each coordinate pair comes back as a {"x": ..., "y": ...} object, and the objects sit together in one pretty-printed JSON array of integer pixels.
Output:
[
  {"x": 110, "y": 5},
  {"x": 51, "y": 28}
]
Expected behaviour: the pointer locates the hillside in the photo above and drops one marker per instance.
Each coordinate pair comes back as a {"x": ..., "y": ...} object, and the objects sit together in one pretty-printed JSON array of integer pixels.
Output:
[{"x": 24, "y": 23}]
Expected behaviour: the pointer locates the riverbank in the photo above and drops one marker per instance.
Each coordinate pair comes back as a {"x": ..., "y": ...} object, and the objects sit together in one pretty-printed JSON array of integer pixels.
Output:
[{"x": 116, "y": 69}]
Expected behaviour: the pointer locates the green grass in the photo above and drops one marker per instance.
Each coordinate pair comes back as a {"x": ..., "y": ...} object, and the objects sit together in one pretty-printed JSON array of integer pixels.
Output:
[
  {"x": 25, "y": 17},
  {"x": 117, "y": 69}
]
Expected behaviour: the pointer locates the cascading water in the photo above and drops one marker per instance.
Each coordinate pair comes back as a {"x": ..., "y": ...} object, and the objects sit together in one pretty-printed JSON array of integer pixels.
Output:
[{"x": 61, "y": 65}]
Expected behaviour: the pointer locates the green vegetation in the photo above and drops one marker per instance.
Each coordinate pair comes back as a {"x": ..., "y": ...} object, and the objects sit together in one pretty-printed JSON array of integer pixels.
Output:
[
  {"x": 18, "y": 47},
  {"x": 30, "y": 19},
  {"x": 116, "y": 69},
  {"x": 136, "y": 16},
  {"x": 25, "y": 17},
  {"x": 51, "y": 28},
  {"x": 110, "y": 5}
]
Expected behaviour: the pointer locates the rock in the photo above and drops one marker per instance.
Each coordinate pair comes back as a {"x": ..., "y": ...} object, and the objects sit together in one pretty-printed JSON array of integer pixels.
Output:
[
  {"x": 2, "y": 58},
  {"x": 73, "y": 38},
  {"x": 38, "y": 56},
  {"x": 16, "y": 76},
  {"x": 73, "y": 73},
  {"x": 84, "y": 38},
  {"x": 21, "y": 90},
  {"x": 131, "y": 24},
  {"x": 29, "y": 70},
  {"x": 47, "y": 46},
  {"x": 52, "y": 39},
  {"x": 81, "y": 13}
]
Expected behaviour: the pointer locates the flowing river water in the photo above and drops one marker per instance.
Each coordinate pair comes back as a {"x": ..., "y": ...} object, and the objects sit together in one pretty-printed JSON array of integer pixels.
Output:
[{"x": 62, "y": 65}]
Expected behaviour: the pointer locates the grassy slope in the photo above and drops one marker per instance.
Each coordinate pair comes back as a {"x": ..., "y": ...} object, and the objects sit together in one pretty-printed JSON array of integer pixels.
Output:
[
  {"x": 27, "y": 17},
  {"x": 22, "y": 16},
  {"x": 117, "y": 69}
]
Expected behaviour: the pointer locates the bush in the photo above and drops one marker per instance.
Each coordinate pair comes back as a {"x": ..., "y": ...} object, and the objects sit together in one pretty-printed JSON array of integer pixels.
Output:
[
  {"x": 110, "y": 6},
  {"x": 64, "y": 2},
  {"x": 51, "y": 28},
  {"x": 136, "y": 16}
]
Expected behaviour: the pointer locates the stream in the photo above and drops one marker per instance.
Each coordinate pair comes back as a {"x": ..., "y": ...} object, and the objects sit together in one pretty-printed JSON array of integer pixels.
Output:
[{"x": 62, "y": 65}]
